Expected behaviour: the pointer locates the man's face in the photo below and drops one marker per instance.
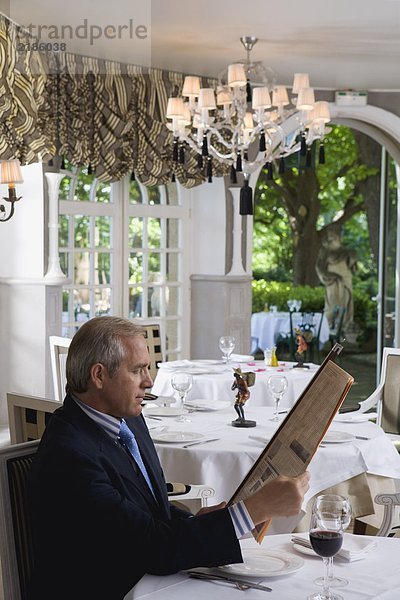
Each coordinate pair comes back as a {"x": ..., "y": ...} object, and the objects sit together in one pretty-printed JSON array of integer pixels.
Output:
[{"x": 122, "y": 394}]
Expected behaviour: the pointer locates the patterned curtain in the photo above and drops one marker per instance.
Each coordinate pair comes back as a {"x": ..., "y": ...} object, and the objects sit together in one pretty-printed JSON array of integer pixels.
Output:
[
  {"x": 92, "y": 112},
  {"x": 22, "y": 97}
]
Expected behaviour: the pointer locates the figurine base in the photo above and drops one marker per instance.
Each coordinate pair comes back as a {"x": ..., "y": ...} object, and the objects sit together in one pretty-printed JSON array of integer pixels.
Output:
[
  {"x": 301, "y": 366},
  {"x": 243, "y": 423}
]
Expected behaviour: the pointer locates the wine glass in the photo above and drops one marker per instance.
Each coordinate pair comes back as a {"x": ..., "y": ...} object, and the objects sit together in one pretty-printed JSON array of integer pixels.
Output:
[
  {"x": 291, "y": 304},
  {"x": 182, "y": 383},
  {"x": 227, "y": 346},
  {"x": 277, "y": 385},
  {"x": 297, "y": 305},
  {"x": 326, "y": 538},
  {"x": 345, "y": 507}
]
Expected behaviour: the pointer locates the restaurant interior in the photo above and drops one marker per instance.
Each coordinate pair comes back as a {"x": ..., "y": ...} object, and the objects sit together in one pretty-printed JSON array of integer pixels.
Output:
[{"x": 134, "y": 142}]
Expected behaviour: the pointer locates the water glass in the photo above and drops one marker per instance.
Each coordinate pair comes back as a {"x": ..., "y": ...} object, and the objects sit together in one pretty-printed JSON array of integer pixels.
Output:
[
  {"x": 182, "y": 383},
  {"x": 227, "y": 346},
  {"x": 277, "y": 385}
]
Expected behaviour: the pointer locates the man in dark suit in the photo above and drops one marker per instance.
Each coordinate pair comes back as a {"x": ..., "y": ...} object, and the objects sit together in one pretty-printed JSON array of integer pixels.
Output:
[{"x": 100, "y": 513}]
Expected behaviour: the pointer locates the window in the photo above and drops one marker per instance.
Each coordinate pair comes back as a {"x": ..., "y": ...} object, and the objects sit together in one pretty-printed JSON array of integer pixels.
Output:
[{"x": 121, "y": 248}]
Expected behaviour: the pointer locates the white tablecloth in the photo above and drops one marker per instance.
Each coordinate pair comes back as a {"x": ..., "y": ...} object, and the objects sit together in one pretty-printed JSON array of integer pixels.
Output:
[
  {"x": 266, "y": 326},
  {"x": 377, "y": 576},
  {"x": 224, "y": 463},
  {"x": 216, "y": 383}
]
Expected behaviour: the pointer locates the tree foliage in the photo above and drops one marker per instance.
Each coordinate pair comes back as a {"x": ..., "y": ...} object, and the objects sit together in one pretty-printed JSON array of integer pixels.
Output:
[{"x": 293, "y": 211}]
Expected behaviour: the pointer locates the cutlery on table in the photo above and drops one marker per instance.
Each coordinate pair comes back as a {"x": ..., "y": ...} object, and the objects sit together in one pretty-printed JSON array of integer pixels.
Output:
[
  {"x": 361, "y": 437},
  {"x": 240, "y": 583},
  {"x": 200, "y": 442}
]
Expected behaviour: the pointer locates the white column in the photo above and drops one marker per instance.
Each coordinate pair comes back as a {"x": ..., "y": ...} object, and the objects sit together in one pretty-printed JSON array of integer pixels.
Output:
[
  {"x": 237, "y": 264},
  {"x": 54, "y": 274}
]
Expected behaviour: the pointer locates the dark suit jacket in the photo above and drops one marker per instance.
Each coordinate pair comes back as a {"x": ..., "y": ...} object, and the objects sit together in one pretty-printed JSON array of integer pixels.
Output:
[{"x": 97, "y": 528}]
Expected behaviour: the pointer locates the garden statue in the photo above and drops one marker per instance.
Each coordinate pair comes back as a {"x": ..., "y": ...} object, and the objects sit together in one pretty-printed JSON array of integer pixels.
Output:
[
  {"x": 242, "y": 383},
  {"x": 335, "y": 267}
]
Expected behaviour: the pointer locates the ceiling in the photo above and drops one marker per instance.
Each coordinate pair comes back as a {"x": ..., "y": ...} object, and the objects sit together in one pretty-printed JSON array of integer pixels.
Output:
[{"x": 342, "y": 44}]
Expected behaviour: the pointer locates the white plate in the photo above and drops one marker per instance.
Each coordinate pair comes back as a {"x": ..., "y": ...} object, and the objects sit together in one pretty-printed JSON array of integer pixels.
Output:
[
  {"x": 208, "y": 405},
  {"x": 265, "y": 563},
  {"x": 242, "y": 358},
  {"x": 354, "y": 417},
  {"x": 162, "y": 411},
  {"x": 337, "y": 437},
  {"x": 207, "y": 361},
  {"x": 176, "y": 437}
]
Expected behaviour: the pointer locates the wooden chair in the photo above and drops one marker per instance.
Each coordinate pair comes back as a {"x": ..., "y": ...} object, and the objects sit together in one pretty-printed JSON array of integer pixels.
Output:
[
  {"x": 154, "y": 344},
  {"x": 28, "y": 416},
  {"x": 16, "y": 549},
  {"x": 58, "y": 353}
]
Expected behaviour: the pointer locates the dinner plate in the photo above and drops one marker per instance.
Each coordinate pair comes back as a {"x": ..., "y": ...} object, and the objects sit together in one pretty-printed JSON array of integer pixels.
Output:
[
  {"x": 265, "y": 563},
  {"x": 207, "y": 361},
  {"x": 162, "y": 411},
  {"x": 176, "y": 437},
  {"x": 337, "y": 437},
  {"x": 206, "y": 405}
]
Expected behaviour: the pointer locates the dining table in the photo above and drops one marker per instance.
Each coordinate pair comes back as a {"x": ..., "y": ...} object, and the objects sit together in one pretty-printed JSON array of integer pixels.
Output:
[
  {"x": 267, "y": 325},
  {"x": 287, "y": 571},
  {"x": 213, "y": 379},
  {"x": 355, "y": 455}
]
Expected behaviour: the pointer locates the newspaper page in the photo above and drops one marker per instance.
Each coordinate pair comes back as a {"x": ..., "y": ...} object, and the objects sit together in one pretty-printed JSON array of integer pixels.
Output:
[{"x": 296, "y": 440}]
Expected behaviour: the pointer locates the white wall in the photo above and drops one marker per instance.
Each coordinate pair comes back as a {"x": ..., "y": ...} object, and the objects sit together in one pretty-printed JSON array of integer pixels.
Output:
[
  {"x": 23, "y": 308},
  {"x": 208, "y": 226}
]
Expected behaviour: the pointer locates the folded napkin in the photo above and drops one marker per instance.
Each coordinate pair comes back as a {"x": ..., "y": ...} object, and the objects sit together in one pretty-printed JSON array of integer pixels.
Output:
[{"x": 354, "y": 547}]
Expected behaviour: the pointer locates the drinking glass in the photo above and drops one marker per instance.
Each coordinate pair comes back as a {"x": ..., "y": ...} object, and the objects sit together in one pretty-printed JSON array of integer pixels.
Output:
[
  {"x": 345, "y": 507},
  {"x": 182, "y": 383},
  {"x": 297, "y": 305},
  {"x": 326, "y": 538},
  {"x": 277, "y": 385},
  {"x": 227, "y": 346},
  {"x": 291, "y": 304}
]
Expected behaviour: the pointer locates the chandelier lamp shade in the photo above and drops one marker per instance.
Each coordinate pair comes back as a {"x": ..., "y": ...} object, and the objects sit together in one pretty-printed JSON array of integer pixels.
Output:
[
  {"x": 11, "y": 174},
  {"x": 247, "y": 113}
]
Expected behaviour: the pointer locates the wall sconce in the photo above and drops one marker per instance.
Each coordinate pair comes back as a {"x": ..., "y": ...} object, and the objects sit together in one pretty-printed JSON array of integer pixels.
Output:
[{"x": 10, "y": 173}]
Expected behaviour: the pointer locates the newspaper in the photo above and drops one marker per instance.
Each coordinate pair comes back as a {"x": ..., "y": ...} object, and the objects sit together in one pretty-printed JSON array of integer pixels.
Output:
[{"x": 296, "y": 440}]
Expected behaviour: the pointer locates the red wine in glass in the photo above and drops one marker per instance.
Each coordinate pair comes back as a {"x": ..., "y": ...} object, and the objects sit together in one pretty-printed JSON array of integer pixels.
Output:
[{"x": 326, "y": 543}]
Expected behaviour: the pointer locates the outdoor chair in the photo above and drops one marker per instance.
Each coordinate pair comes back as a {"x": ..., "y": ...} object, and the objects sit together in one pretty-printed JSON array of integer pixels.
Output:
[
  {"x": 386, "y": 398},
  {"x": 58, "y": 356}
]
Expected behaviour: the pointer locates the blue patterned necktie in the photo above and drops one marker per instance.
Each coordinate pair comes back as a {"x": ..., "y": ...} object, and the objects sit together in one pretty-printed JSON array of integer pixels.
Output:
[{"x": 128, "y": 440}]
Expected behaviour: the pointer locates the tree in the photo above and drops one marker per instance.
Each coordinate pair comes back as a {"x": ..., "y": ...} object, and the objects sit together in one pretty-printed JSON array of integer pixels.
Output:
[{"x": 315, "y": 199}]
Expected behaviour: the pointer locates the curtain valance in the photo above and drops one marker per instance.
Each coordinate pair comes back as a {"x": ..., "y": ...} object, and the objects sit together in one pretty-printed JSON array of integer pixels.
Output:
[{"x": 90, "y": 111}]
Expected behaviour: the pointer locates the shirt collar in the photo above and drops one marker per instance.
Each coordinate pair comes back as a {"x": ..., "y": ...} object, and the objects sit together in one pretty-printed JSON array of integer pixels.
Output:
[{"x": 111, "y": 425}]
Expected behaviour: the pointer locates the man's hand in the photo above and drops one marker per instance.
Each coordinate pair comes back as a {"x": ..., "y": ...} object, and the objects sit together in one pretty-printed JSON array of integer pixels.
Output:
[{"x": 281, "y": 497}]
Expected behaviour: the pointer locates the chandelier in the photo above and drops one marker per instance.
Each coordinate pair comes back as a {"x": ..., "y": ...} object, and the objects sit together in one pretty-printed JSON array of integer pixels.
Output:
[{"x": 247, "y": 114}]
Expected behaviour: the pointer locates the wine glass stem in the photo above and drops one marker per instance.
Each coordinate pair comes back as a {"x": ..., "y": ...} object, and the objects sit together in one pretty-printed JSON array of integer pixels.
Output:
[
  {"x": 326, "y": 577},
  {"x": 330, "y": 568}
]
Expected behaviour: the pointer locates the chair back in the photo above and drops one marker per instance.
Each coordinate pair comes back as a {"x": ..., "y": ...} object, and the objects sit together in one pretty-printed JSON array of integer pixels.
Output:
[
  {"x": 28, "y": 416},
  {"x": 154, "y": 345},
  {"x": 58, "y": 353},
  {"x": 16, "y": 547},
  {"x": 390, "y": 406}
]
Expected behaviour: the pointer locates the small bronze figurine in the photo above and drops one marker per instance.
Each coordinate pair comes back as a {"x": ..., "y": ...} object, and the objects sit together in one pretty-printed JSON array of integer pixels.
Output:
[
  {"x": 242, "y": 383},
  {"x": 302, "y": 347}
]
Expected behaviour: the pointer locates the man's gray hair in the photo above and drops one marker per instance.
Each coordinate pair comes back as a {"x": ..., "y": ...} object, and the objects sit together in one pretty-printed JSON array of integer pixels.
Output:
[{"x": 99, "y": 340}]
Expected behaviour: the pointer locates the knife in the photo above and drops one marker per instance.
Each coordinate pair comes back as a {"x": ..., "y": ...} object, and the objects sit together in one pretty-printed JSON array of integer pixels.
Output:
[
  {"x": 234, "y": 580},
  {"x": 200, "y": 442}
]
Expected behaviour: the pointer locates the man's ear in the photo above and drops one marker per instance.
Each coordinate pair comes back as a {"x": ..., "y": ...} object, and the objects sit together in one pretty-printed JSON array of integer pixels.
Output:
[{"x": 97, "y": 373}]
